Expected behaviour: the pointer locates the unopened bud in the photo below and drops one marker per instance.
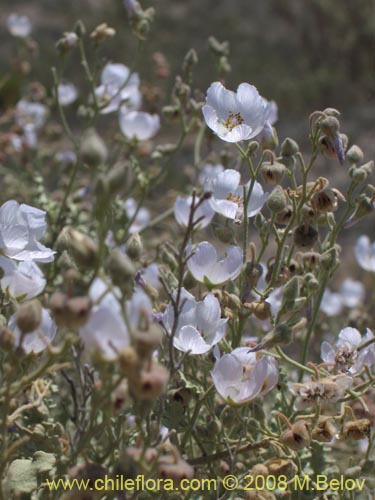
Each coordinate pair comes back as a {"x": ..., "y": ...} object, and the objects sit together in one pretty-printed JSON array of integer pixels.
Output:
[
  {"x": 277, "y": 200},
  {"x": 329, "y": 125},
  {"x": 134, "y": 246},
  {"x": 289, "y": 147},
  {"x": 80, "y": 29},
  {"x": 120, "y": 268},
  {"x": 355, "y": 155},
  {"x": 93, "y": 149},
  {"x": 67, "y": 42},
  {"x": 29, "y": 316},
  {"x": 81, "y": 247},
  {"x": 102, "y": 32},
  {"x": 7, "y": 339}
]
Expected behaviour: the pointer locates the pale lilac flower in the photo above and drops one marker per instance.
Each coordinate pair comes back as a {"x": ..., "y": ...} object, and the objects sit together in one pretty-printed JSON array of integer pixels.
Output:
[
  {"x": 352, "y": 293},
  {"x": 347, "y": 356},
  {"x": 204, "y": 213},
  {"x": 322, "y": 391},
  {"x": 105, "y": 331},
  {"x": 206, "y": 268},
  {"x": 151, "y": 274},
  {"x": 67, "y": 93},
  {"x": 28, "y": 138},
  {"x": 37, "y": 340},
  {"x": 235, "y": 116},
  {"x": 24, "y": 279},
  {"x": 141, "y": 219},
  {"x": 131, "y": 6},
  {"x": 365, "y": 253},
  {"x": 199, "y": 326},
  {"x": 21, "y": 228},
  {"x": 19, "y": 26},
  {"x": 209, "y": 172},
  {"x": 30, "y": 113},
  {"x": 267, "y": 134},
  {"x": 228, "y": 195},
  {"x": 331, "y": 304},
  {"x": 118, "y": 86},
  {"x": 66, "y": 157},
  {"x": 240, "y": 376},
  {"x": 137, "y": 124}
]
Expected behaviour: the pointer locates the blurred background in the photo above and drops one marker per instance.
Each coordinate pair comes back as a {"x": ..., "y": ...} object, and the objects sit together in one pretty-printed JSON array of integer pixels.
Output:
[{"x": 305, "y": 55}]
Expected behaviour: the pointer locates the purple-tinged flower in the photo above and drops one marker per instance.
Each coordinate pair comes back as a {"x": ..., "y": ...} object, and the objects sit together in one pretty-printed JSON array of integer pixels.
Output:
[
  {"x": 206, "y": 268},
  {"x": 23, "y": 280},
  {"x": 365, "y": 253},
  {"x": 141, "y": 219},
  {"x": 137, "y": 124},
  {"x": 209, "y": 172},
  {"x": 204, "y": 213},
  {"x": 235, "y": 116},
  {"x": 199, "y": 326},
  {"x": 19, "y": 26},
  {"x": 347, "y": 355},
  {"x": 240, "y": 376},
  {"x": 67, "y": 93},
  {"x": 228, "y": 195}
]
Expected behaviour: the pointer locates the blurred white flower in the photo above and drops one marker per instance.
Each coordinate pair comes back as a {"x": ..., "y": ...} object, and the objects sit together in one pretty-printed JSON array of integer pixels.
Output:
[
  {"x": 240, "y": 376},
  {"x": 141, "y": 219},
  {"x": 118, "y": 86},
  {"x": 199, "y": 325},
  {"x": 24, "y": 279},
  {"x": 209, "y": 172},
  {"x": 331, "y": 303},
  {"x": 67, "y": 157},
  {"x": 67, "y": 93},
  {"x": 37, "y": 340},
  {"x": 30, "y": 113},
  {"x": 19, "y": 26},
  {"x": 204, "y": 213},
  {"x": 235, "y": 116},
  {"x": 105, "y": 331},
  {"x": 228, "y": 195},
  {"x": 347, "y": 356},
  {"x": 21, "y": 228},
  {"x": 267, "y": 134},
  {"x": 131, "y": 6},
  {"x": 322, "y": 391},
  {"x": 137, "y": 124},
  {"x": 365, "y": 253},
  {"x": 351, "y": 294},
  {"x": 206, "y": 268},
  {"x": 27, "y": 139}
]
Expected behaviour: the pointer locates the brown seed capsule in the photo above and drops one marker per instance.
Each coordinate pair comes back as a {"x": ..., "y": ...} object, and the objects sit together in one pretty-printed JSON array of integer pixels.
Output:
[
  {"x": 145, "y": 342},
  {"x": 77, "y": 311},
  {"x": 102, "y": 32},
  {"x": 120, "y": 395},
  {"x": 7, "y": 339},
  {"x": 272, "y": 172},
  {"x": 150, "y": 383},
  {"x": 356, "y": 429},
  {"x": 305, "y": 236},
  {"x": 324, "y": 201},
  {"x": 129, "y": 361},
  {"x": 280, "y": 466},
  {"x": 324, "y": 430},
  {"x": 261, "y": 309},
  {"x": 259, "y": 470},
  {"x": 298, "y": 437},
  {"x": 29, "y": 316}
]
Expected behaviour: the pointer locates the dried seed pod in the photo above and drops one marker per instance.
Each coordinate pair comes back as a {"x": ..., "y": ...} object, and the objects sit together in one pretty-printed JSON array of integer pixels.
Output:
[
  {"x": 298, "y": 436},
  {"x": 280, "y": 466},
  {"x": 356, "y": 429},
  {"x": 324, "y": 201},
  {"x": 272, "y": 172},
  {"x": 149, "y": 383},
  {"x": 261, "y": 309},
  {"x": 305, "y": 236}
]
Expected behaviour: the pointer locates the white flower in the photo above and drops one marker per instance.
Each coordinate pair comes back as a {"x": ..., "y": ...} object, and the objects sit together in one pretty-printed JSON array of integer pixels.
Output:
[
  {"x": 240, "y": 376},
  {"x": 24, "y": 280},
  {"x": 331, "y": 304},
  {"x": 325, "y": 390},
  {"x": 137, "y": 124},
  {"x": 204, "y": 213},
  {"x": 235, "y": 116},
  {"x": 118, "y": 86},
  {"x": 19, "y": 26},
  {"x": 141, "y": 219},
  {"x": 67, "y": 93},
  {"x": 28, "y": 138},
  {"x": 199, "y": 326},
  {"x": 30, "y": 113},
  {"x": 267, "y": 134},
  {"x": 209, "y": 172},
  {"x": 351, "y": 294},
  {"x": 206, "y": 268},
  {"x": 106, "y": 331},
  {"x": 37, "y": 340},
  {"x": 347, "y": 356},
  {"x": 365, "y": 253},
  {"x": 227, "y": 195},
  {"x": 21, "y": 228}
]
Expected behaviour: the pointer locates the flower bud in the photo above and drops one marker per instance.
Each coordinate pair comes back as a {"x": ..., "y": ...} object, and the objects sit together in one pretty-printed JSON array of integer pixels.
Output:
[
  {"x": 168, "y": 258},
  {"x": 80, "y": 29},
  {"x": 29, "y": 316},
  {"x": 190, "y": 60},
  {"x": 272, "y": 172},
  {"x": 80, "y": 246},
  {"x": 324, "y": 430},
  {"x": 332, "y": 112},
  {"x": 102, "y": 32},
  {"x": 289, "y": 147},
  {"x": 120, "y": 268},
  {"x": 7, "y": 339},
  {"x": 355, "y": 155},
  {"x": 356, "y": 429},
  {"x": 305, "y": 236},
  {"x": 218, "y": 48},
  {"x": 298, "y": 437},
  {"x": 116, "y": 178},
  {"x": 329, "y": 125},
  {"x": 269, "y": 138},
  {"x": 252, "y": 273},
  {"x": 93, "y": 149},
  {"x": 67, "y": 42},
  {"x": 277, "y": 200},
  {"x": 145, "y": 342},
  {"x": 260, "y": 308},
  {"x": 134, "y": 246}
]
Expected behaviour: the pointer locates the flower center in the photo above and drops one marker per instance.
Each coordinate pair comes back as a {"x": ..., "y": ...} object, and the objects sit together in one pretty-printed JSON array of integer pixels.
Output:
[{"x": 233, "y": 120}]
